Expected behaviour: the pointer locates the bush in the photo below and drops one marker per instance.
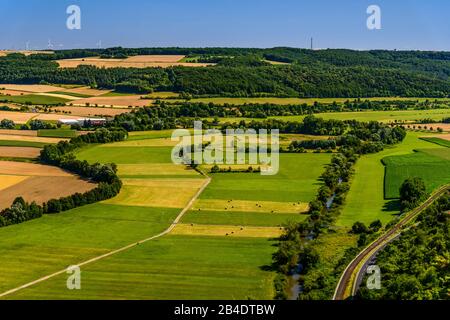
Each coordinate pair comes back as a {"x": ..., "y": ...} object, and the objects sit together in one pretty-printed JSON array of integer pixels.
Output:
[{"x": 7, "y": 124}]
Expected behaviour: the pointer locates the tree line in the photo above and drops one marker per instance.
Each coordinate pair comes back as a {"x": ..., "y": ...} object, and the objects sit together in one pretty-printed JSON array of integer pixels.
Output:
[{"x": 296, "y": 246}]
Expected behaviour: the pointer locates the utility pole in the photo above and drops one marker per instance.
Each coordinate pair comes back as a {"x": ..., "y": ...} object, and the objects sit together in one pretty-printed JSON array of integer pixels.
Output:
[{"x": 312, "y": 47}]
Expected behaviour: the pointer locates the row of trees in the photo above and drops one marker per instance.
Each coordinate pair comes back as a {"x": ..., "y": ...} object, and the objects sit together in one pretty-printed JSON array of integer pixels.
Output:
[
  {"x": 294, "y": 247},
  {"x": 61, "y": 155},
  {"x": 264, "y": 110}
]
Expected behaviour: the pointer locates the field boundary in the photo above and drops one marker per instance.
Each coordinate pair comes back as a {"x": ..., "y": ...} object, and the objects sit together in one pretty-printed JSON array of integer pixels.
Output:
[{"x": 168, "y": 230}]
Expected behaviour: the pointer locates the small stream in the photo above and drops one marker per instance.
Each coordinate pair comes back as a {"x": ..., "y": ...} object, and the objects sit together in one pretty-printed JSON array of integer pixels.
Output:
[{"x": 293, "y": 279}]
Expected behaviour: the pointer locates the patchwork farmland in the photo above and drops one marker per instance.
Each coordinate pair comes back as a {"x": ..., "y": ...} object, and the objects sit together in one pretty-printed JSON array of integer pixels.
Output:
[
  {"x": 109, "y": 198},
  {"x": 152, "y": 196}
]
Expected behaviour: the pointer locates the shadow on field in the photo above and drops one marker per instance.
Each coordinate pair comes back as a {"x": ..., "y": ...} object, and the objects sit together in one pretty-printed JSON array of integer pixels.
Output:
[{"x": 392, "y": 205}]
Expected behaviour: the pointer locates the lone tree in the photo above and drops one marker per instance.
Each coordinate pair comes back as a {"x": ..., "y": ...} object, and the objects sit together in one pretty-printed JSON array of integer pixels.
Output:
[{"x": 412, "y": 192}]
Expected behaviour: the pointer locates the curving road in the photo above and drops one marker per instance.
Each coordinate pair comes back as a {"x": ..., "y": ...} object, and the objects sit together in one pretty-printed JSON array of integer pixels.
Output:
[{"x": 348, "y": 283}]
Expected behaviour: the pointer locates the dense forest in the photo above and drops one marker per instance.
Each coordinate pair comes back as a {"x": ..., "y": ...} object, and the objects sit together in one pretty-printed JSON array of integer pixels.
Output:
[
  {"x": 245, "y": 72},
  {"x": 415, "y": 266}
]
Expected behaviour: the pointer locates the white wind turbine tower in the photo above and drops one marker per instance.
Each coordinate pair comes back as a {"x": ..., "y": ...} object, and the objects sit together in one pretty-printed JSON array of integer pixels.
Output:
[{"x": 50, "y": 44}]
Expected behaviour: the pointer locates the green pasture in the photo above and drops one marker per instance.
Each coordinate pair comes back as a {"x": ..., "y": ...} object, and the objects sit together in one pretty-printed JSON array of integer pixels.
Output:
[
  {"x": 57, "y": 133},
  {"x": 39, "y": 247},
  {"x": 439, "y": 141},
  {"x": 365, "y": 201},
  {"x": 17, "y": 143},
  {"x": 297, "y": 180},
  {"x": 173, "y": 267},
  {"x": 34, "y": 99},
  {"x": 126, "y": 155},
  {"x": 259, "y": 219},
  {"x": 170, "y": 267}
]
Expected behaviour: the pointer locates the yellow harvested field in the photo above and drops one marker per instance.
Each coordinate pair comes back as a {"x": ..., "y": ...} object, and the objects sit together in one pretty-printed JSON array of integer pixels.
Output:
[
  {"x": 445, "y": 136},
  {"x": 7, "y": 181},
  {"x": 54, "y": 117},
  {"x": 443, "y": 126},
  {"x": 250, "y": 206},
  {"x": 165, "y": 183},
  {"x": 24, "y": 117},
  {"x": 34, "y": 88},
  {"x": 13, "y": 92},
  {"x": 170, "y": 194},
  {"x": 119, "y": 101},
  {"x": 29, "y": 133},
  {"x": 17, "y": 117},
  {"x": 24, "y": 52},
  {"x": 43, "y": 188},
  {"x": 31, "y": 169},
  {"x": 10, "y": 137},
  {"x": 143, "y": 61},
  {"x": 92, "y": 111},
  {"x": 227, "y": 231},
  {"x": 162, "y": 169},
  {"x": 19, "y": 152}
]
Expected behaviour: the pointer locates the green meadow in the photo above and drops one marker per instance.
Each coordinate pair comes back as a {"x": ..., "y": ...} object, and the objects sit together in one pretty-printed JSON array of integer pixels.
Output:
[
  {"x": 259, "y": 219},
  {"x": 195, "y": 266},
  {"x": 172, "y": 267},
  {"x": 365, "y": 201},
  {"x": 34, "y": 99},
  {"x": 17, "y": 143},
  {"x": 36, "y": 248},
  {"x": 57, "y": 133},
  {"x": 295, "y": 181},
  {"x": 439, "y": 141},
  {"x": 72, "y": 94}
]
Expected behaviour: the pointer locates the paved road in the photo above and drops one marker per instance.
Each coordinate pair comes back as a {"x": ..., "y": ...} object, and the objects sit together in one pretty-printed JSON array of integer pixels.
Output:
[
  {"x": 169, "y": 229},
  {"x": 348, "y": 283}
]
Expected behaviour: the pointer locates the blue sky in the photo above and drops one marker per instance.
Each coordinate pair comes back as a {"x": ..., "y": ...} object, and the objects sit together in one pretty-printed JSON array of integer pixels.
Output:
[{"x": 406, "y": 24}]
